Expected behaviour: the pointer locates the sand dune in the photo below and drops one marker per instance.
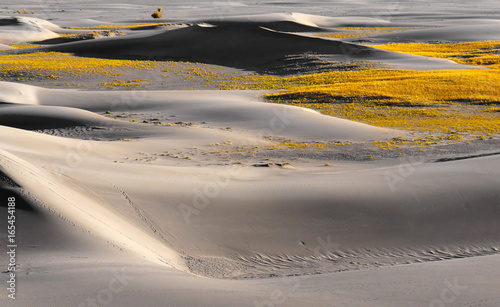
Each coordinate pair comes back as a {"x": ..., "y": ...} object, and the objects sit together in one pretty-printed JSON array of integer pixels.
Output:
[
  {"x": 435, "y": 214},
  {"x": 295, "y": 22},
  {"x": 81, "y": 207},
  {"x": 215, "y": 108},
  {"x": 5, "y": 47},
  {"x": 271, "y": 234},
  {"x": 254, "y": 42},
  {"x": 247, "y": 46},
  {"x": 26, "y": 29},
  {"x": 46, "y": 117},
  {"x": 220, "y": 45},
  {"x": 193, "y": 198},
  {"x": 465, "y": 31}
]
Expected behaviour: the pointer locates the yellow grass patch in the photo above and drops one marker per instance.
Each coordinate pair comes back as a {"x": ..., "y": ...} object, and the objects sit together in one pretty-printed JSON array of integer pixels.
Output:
[
  {"x": 57, "y": 66},
  {"x": 473, "y": 53},
  {"x": 350, "y": 32},
  {"x": 444, "y": 101},
  {"x": 54, "y": 65},
  {"x": 115, "y": 27}
]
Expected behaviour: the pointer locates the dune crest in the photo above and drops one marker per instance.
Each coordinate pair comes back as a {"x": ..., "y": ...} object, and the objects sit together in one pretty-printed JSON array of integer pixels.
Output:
[
  {"x": 239, "y": 44},
  {"x": 85, "y": 211},
  {"x": 26, "y": 29}
]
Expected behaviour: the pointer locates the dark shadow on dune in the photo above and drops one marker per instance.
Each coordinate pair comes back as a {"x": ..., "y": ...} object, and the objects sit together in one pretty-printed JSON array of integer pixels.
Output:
[
  {"x": 466, "y": 157},
  {"x": 62, "y": 40},
  {"x": 32, "y": 122},
  {"x": 6, "y": 103},
  {"x": 9, "y": 188},
  {"x": 9, "y": 21},
  {"x": 30, "y": 117},
  {"x": 96, "y": 34},
  {"x": 247, "y": 47},
  {"x": 283, "y": 26},
  {"x": 475, "y": 102}
]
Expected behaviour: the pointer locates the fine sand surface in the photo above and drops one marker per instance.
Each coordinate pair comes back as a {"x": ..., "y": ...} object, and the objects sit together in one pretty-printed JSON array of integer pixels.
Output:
[{"x": 185, "y": 198}]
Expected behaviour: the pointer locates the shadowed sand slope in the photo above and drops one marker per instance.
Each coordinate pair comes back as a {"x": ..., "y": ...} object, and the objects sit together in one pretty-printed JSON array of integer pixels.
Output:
[
  {"x": 253, "y": 222},
  {"x": 252, "y": 42},
  {"x": 240, "y": 221},
  {"x": 413, "y": 285},
  {"x": 81, "y": 206},
  {"x": 241, "y": 111},
  {"x": 258, "y": 221},
  {"x": 26, "y": 29},
  {"x": 246, "y": 46},
  {"x": 36, "y": 117},
  {"x": 295, "y": 22}
]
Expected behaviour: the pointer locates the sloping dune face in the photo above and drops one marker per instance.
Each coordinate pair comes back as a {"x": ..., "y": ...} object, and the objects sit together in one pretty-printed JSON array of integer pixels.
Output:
[
  {"x": 172, "y": 186},
  {"x": 466, "y": 31},
  {"x": 26, "y": 29},
  {"x": 252, "y": 42},
  {"x": 296, "y": 22},
  {"x": 243, "y": 45},
  {"x": 220, "y": 109},
  {"x": 238, "y": 221}
]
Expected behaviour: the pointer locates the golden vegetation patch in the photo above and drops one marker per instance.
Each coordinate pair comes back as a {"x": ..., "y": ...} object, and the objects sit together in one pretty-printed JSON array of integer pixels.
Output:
[
  {"x": 473, "y": 53},
  {"x": 23, "y": 11},
  {"x": 351, "y": 32},
  {"x": 397, "y": 87},
  {"x": 54, "y": 65},
  {"x": 117, "y": 27},
  {"x": 58, "y": 66},
  {"x": 444, "y": 101},
  {"x": 20, "y": 46}
]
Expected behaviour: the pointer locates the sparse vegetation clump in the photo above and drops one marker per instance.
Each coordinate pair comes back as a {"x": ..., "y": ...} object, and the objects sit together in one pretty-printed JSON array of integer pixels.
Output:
[
  {"x": 24, "y": 11},
  {"x": 485, "y": 53},
  {"x": 352, "y": 32},
  {"x": 116, "y": 27},
  {"x": 156, "y": 15},
  {"x": 53, "y": 65}
]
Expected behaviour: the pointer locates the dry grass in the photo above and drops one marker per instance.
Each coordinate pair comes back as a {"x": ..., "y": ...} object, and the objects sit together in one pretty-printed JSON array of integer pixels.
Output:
[
  {"x": 117, "y": 27},
  {"x": 57, "y": 67},
  {"x": 362, "y": 32},
  {"x": 443, "y": 102},
  {"x": 447, "y": 101},
  {"x": 473, "y": 53}
]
